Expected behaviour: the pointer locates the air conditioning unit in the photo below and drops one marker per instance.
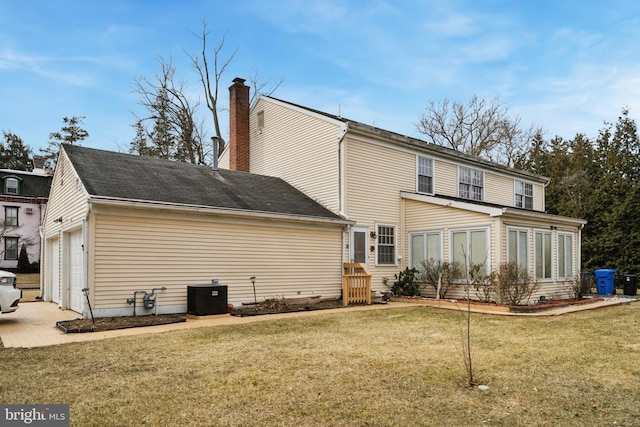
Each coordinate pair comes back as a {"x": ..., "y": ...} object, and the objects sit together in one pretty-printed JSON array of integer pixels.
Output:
[{"x": 29, "y": 210}]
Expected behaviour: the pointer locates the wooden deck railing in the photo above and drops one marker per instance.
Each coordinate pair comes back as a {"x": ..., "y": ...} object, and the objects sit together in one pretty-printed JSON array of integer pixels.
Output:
[{"x": 356, "y": 283}]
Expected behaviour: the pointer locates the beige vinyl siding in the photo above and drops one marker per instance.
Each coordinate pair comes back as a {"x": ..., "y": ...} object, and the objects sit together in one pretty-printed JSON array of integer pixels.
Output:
[
  {"x": 499, "y": 189},
  {"x": 68, "y": 201},
  {"x": 538, "y": 197},
  {"x": 446, "y": 178},
  {"x": 427, "y": 217},
  {"x": 375, "y": 175},
  {"x": 300, "y": 148},
  {"x": 554, "y": 288},
  {"x": 141, "y": 252},
  {"x": 66, "y": 209}
]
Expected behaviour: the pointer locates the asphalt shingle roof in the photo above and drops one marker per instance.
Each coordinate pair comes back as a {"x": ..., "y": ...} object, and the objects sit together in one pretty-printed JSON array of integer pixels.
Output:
[
  {"x": 31, "y": 185},
  {"x": 128, "y": 177}
]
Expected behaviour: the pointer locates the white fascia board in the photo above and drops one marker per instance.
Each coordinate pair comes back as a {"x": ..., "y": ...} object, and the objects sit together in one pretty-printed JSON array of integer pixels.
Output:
[
  {"x": 555, "y": 219},
  {"x": 494, "y": 211},
  {"x": 434, "y": 200},
  {"x": 174, "y": 207}
]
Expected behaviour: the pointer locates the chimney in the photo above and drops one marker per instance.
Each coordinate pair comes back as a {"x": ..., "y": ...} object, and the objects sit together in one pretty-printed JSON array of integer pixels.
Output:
[{"x": 239, "y": 125}]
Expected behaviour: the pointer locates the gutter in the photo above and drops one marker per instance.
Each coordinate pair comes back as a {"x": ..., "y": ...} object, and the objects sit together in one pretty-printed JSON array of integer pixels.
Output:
[{"x": 96, "y": 201}]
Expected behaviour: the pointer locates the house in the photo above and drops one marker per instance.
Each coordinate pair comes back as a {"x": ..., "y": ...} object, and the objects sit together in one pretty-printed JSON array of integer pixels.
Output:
[
  {"x": 24, "y": 201},
  {"x": 409, "y": 200},
  {"x": 119, "y": 224}
]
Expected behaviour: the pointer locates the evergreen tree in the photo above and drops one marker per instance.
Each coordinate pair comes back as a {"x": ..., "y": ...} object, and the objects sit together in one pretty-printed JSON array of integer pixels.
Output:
[
  {"x": 14, "y": 154},
  {"x": 70, "y": 133},
  {"x": 24, "y": 266}
]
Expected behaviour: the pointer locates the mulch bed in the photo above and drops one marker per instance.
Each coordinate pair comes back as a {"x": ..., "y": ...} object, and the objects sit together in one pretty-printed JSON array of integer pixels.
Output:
[
  {"x": 281, "y": 305},
  {"x": 112, "y": 323}
]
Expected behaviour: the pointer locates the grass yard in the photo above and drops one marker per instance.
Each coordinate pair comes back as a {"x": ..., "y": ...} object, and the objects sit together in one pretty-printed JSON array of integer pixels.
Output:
[{"x": 395, "y": 367}]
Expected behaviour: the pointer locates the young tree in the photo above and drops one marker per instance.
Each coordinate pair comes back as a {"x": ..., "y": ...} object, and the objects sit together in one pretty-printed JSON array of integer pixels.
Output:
[
  {"x": 481, "y": 127},
  {"x": 14, "y": 154},
  {"x": 70, "y": 133}
]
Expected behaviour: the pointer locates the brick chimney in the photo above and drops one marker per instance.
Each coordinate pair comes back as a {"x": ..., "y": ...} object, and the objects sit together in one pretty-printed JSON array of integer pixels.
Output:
[{"x": 239, "y": 125}]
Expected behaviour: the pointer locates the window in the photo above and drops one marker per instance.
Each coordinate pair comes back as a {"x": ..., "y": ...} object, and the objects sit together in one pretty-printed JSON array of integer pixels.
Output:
[
  {"x": 524, "y": 195},
  {"x": 470, "y": 246},
  {"x": 260, "y": 117},
  {"x": 424, "y": 246},
  {"x": 542, "y": 248},
  {"x": 386, "y": 245},
  {"x": 425, "y": 175},
  {"x": 10, "y": 216},
  {"x": 11, "y": 186},
  {"x": 470, "y": 183},
  {"x": 11, "y": 248},
  {"x": 565, "y": 255},
  {"x": 517, "y": 247}
]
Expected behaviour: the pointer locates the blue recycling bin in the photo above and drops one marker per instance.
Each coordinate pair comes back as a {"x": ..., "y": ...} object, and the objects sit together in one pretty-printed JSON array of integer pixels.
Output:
[{"x": 605, "y": 280}]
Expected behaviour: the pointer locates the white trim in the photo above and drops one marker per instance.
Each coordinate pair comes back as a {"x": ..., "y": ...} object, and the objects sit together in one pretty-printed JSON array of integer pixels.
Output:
[
  {"x": 425, "y": 233},
  {"x": 468, "y": 230},
  {"x": 433, "y": 174},
  {"x": 572, "y": 237},
  {"x": 167, "y": 206},
  {"x": 377, "y": 225},
  {"x": 361, "y": 229},
  {"x": 535, "y": 255},
  {"x": 519, "y": 229}
]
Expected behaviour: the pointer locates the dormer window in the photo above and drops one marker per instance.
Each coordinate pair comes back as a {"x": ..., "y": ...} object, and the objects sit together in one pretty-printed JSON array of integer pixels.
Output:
[
  {"x": 524, "y": 195},
  {"x": 11, "y": 186}
]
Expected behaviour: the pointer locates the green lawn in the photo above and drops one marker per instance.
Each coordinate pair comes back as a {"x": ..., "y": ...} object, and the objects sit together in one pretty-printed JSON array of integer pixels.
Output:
[{"x": 395, "y": 367}]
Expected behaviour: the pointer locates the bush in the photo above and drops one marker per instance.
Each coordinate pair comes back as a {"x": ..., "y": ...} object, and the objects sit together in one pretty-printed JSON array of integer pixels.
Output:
[
  {"x": 24, "y": 266},
  {"x": 512, "y": 284},
  {"x": 438, "y": 274},
  {"x": 406, "y": 284}
]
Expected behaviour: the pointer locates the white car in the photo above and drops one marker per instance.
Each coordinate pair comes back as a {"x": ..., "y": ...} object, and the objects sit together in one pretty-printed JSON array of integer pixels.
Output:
[{"x": 9, "y": 295}]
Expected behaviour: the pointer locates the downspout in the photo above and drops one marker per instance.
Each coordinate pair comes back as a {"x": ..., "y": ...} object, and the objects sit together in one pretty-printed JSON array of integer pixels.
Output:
[{"x": 347, "y": 229}]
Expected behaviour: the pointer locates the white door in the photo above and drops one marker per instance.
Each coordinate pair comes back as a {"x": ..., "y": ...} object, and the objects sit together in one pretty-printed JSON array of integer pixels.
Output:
[
  {"x": 75, "y": 279},
  {"x": 53, "y": 270},
  {"x": 359, "y": 241}
]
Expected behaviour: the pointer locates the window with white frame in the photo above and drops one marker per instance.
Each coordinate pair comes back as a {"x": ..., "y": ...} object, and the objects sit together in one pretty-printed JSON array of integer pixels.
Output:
[
  {"x": 425, "y": 175},
  {"x": 542, "y": 251},
  {"x": 386, "y": 245},
  {"x": 518, "y": 247},
  {"x": 11, "y": 186},
  {"x": 565, "y": 255},
  {"x": 470, "y": 183},
  {"x": 524, "y": 195},
  {"x": 10, "y": 216},
  {"x": 424, "y": 245},
  {"x": 470, "y": 246}
]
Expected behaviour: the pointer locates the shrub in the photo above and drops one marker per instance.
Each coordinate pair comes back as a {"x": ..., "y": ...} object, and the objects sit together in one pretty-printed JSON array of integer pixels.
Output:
[
  {"x": 24, "y": 266},
  {"x": 512, "y": 284},
  {"x": 439, "y": 274},
  {"x": 481, "y": 282},
  {"x": 581, "y": 286},
  {"x": 406, "y": 284}
]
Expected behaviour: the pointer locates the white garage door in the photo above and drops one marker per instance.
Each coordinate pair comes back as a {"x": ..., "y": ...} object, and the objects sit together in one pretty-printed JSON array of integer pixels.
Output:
[
  {"x": 75, "y": 271},
  {"x": 53, "y": 271}
]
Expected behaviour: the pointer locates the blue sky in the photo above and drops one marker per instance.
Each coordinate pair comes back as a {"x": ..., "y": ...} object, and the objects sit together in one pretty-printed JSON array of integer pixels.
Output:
[{"x": 566, "y": 66}]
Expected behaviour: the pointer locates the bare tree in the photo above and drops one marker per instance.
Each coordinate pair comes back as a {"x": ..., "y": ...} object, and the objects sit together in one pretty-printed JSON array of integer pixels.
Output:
[
  {"x": 173, "y": 132},
  {"x": 210, "y": 78},
  {"x": 210, "y": 70},
  {"x": 481, "y": 128}
]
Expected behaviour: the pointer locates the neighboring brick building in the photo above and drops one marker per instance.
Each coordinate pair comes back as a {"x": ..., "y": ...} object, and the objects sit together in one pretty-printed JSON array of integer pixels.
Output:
[{"x": 23, "y": 196}]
